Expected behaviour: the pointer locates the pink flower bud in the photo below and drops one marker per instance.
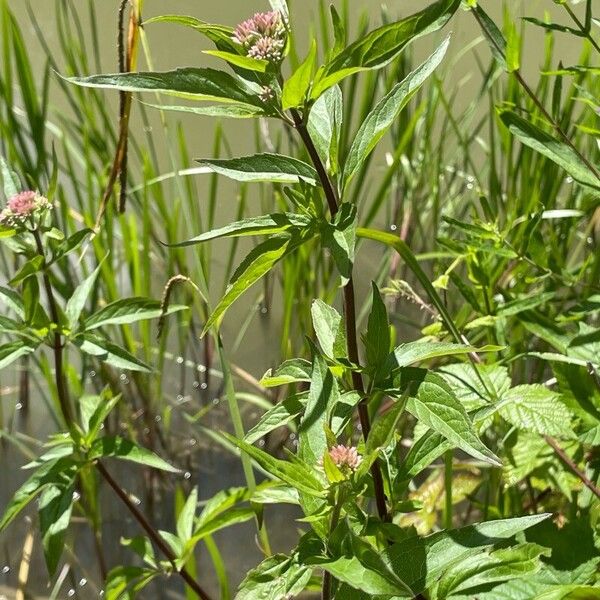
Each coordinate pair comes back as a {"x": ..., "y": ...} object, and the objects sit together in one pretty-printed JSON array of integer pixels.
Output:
[
  {"x": 345, "y": 457},
  {"x": 22, "y": 206},
  {"x": 263, "y": 36}
]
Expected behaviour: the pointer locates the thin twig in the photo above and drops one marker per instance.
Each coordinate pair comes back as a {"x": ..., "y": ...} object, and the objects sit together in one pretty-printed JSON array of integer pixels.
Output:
[{"x": 570, "y": 464}]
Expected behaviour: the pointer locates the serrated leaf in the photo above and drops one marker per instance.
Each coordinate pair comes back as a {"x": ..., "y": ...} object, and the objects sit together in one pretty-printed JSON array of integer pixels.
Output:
[
  {"x": 386, "y": 112},
  {"x": 415, "y": 352},
  {"x": 189, "y": 82},
  {"x": 437, "y": 407},
  {"x": 263, "y": 167},
  {"x": 110, "y": 353},
  {"x": 118, "y": 447},
  {"x": 278, "y": 416},
  {"x": 378, "y": 47},
  {"x": 296, "y": 87},
  {"x": 296, "y": 474},
  {"x": 257, "y": 263},
  {"x": 263, "y": 225},
  {"x": 9, "y": 353},
  {"x": 327, "y": 323},
  {"x": 554, "y": 149},
  {"x": 294, "y": 370},
  {"x": 536, "y": 408},
  {"x": 55, "y": 507},
  {"x": 76, "y": 302},
  {"x": 128, "y": 310}
]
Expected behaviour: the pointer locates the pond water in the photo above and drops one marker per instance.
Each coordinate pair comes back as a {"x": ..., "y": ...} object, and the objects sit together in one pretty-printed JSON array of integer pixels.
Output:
[{"x": 209, "y": 468}]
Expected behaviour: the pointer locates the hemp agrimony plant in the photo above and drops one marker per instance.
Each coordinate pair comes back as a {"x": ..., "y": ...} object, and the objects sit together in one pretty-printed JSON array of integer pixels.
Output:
[{"x": 363, "y": 496}]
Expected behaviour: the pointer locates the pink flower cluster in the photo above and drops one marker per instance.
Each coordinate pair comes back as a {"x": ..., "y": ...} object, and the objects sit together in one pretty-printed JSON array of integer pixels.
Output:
[
  {"x": 345, "y": 457},
  {"x": 263, "y": 36},
  {"x": 22, "y": 206}
]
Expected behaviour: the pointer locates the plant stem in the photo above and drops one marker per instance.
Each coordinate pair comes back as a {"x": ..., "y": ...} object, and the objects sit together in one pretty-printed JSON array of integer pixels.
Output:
[
  {"x": 65, "y": 405},
  {"x": 568, "y": 462},
  {"x": 152, "y": 533},
  {"x": 57, "y": 347},
  {"x": 349, "y": 312}
]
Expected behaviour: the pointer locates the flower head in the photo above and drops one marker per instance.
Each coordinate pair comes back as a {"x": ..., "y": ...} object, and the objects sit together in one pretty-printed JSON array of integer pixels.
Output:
[
  {"x": 22, "y": 206},
  {"x": 263, "y": 36},
  {"x": 345, "y": 457}
]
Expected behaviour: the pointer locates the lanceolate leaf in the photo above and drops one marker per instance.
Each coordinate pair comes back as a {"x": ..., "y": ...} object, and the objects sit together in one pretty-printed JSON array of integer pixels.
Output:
[
  {"x": 379, "y": 47},
  {"x": 296, "y": 474},
  {"x": 414, "y": 352},
  {"x": 554, "y": 149},
  {"x": 263, "y": 167},
  {"x": 278, "y": 416},
  {"x": 56, "y": 503},
  {"x": 264, "y": 225},
  {"x": 377, "y": 339},
  {"x": 386, "y": 112},
  {"x": 291, "y": 371},
  {"x": 296, "y": 87},
  {"x": 441, "y": 550},
  {"x": 128, "y": 310},
  {"x": 11, "y": 352},
  {"x": 258, "y": 263},
  {"x": 117, "y": 447},
  {"x": 110, "y": 353},
  {"x": 233, "y": 111},
  {"x": 327, "y": 323},
  {"x": 77, "y": 301},
  {"x": 189, "y": 82},
  {"x": 324, "y": 125},
  {"x": 436, "y": 406}
]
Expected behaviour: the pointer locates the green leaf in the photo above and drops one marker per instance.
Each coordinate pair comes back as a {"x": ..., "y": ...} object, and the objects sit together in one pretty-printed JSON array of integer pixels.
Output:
[
  {"x": 110, "y": 353},
  {"x": 422, "y": 453},
  {"x": 30, "y": 268},
  {"x": 123, "y": 583},
  {"x": 414, "y": 352},
  {"x": 440, "y": 551},
  {"x": 77, "y": 301},
  {"x": 185, "y": 519},
  {"x": 436, "y": 406},
  {"x": 128, "y": 310},
  {"x": 263, "y": 167},
  {"x": 493, "y": 35},
  {"x": 484, "y": 569},
  {"x": 377, "y": 339},
  {"x": 55, "y": 506},
  {"x": 278, "y": 416},
  {"x": 263, "y": 225},
  {"x": 294, "y": 370},
  {"x": 257, "y": 264},
  {"x": 322, "y": 396},
  {"x": 297, "y": 474},
  {"x": 245, "y": 62},
  {"x": 12, "y": 300},
  {"x": 386, "y": 112},
  {"x": 9, "y": 353},
  {"x": 117, "y": 447},
  {"x": 329, "y": 330},
  {"x": 536, "y": 408},
  {"x": 94, "y": 411},
  {"x": 377, "y": 48},
  {"x": 325, "y": 125},
  {"x": 384, "y": 426},
  {"x": 233, "y": 111},
  {"x": 340, "y": 238},
  {"x": 190, "y": 82},
  {"x": 557, "y": 151},
  {"x": 227, "y": 518},
  {"x": 49, "y": 473},
  {"x": 276, "y": 577},
  {"x": 296, "y": 87},
  {"x": 10, "y": 180}
]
